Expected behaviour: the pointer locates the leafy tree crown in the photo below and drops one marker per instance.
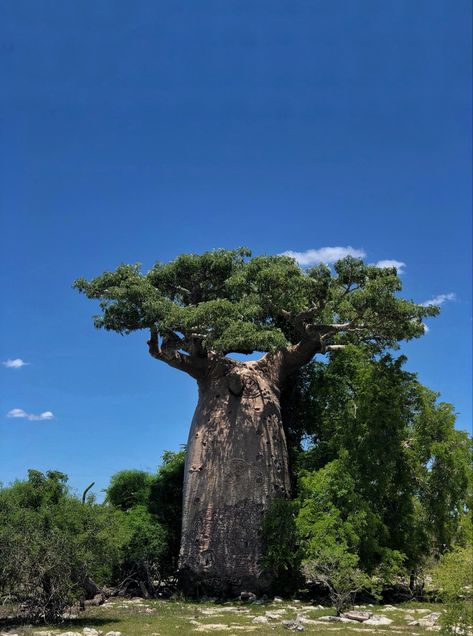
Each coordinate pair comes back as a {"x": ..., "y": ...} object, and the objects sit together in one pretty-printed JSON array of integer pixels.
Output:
[{"x": 226, "y": 301}]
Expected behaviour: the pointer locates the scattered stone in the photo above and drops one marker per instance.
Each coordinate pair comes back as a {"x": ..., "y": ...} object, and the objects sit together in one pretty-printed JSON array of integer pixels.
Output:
[
  {"x": 308, "y": 621},
  {"x": 260, "y": 601},
  {"x": 376, "y": 619},
  {"x": 294, "y": 626},
  {"x": 247, "y": 597},
  {"x": 113, "y": 634},
  {"x": 275, "y": 614},
  {"x": 277, "y": 599},
  {"x": 409, "y": 617},
  {"x": 70, "y": 634},
  {"x": 389, "y": 608},
  {"x": 427, "y": 621},
  {"x": 356, "y": 615},
  {"x": 336, "y": 619},
  {"x": 260, "y": 619},
  {"x": 68, "y": 616},
  {"x": 90, "y": 631},
  {"x": 43, "y": 633}
]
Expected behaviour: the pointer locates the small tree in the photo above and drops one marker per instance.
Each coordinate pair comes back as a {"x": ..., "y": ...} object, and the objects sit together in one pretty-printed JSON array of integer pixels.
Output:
[
  {"x": 129, "y": 488},
  {"x": 337, "y": 570}
]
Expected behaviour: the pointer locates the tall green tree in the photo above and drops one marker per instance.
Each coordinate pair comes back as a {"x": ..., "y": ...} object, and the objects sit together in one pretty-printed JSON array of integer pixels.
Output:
[
  {"x": 382, "y": 472},
  {"x": 200, "y": 309}
]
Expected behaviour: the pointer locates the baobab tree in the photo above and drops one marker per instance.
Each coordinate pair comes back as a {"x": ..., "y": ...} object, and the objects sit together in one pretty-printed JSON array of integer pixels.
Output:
[{"x": 201, "y": 309}]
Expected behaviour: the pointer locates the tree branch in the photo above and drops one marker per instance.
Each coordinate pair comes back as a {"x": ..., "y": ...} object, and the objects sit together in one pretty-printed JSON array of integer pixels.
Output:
[
  {"x": 285, "y": 361},
  {"x": 169, "y": 353}
]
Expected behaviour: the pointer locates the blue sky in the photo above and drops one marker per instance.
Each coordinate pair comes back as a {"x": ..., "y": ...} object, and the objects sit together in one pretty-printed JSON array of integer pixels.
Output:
[{"x": 134, "y": 131}]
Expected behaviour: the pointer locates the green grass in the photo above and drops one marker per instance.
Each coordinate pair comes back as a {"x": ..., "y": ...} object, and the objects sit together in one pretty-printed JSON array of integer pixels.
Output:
[{"x": 175, "y": 617}]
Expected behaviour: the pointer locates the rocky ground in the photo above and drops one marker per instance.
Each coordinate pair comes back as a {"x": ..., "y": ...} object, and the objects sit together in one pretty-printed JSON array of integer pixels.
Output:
[{"x": 138, "y": 617}]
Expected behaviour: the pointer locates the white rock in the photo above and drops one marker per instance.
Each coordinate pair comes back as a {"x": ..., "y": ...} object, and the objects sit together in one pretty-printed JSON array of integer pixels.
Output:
[
  {"x": 275, "y": 614},
  {"x": 294, "y": 626},
  {"x": 356, "y": 615},
  {"x": 70, "y": 634},
  {"x": 427, "y": 621},
  {"x": 376, "y": 619},
  {"x": 308, "y": 621},
  {"x": 336, "y": 619},
  {"x": 113, "y": 634},
  {"x": 277, "y": 599},
  {"x": 260, "y": 619},
  {"x": 90, "y": 631}
]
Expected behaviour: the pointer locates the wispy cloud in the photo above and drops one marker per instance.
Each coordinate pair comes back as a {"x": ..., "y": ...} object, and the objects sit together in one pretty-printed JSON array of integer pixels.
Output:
[
  {"x": 16, "y": 363},
  {"x": 324, "y": 255},
  {"x": 20, "y": 413},
  {"x": 399, "y": 265},
  {"x": 439, "y": 300}
]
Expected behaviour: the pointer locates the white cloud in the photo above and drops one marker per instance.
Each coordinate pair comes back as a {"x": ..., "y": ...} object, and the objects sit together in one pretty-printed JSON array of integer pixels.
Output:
[
  {"x": 399, "y": 265},
  {"x": 17, "y": 363},
  {"x": 47, "y": 415},
  {"x": 439, "y": 300},
  {"x": 426, "y": 329},
  {"x": 324, "y": 255}
]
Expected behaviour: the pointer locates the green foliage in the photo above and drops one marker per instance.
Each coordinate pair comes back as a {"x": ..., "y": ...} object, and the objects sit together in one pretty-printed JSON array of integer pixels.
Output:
[
  {"x": 142, "y": 551},
  {"x": 54, "y": 548},
  {"x": 453, "y": 577},
  {"x": 282, "y": 556},
  {"x": 165, "y": 503},
  {"x": 153, "y": 507},
  {"x": 227, "y": 301},
  {"x": 337, "y": 571},
  {"x": 51, "y": 544},
  {"x": 444, "y": 470},
  {"x": 129, "y": 488},
  {"x": 382, "y": 473}
]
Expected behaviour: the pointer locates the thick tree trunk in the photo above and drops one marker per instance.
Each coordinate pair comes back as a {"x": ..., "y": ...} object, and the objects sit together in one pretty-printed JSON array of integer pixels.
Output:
[{"x": 236, "y": 466}]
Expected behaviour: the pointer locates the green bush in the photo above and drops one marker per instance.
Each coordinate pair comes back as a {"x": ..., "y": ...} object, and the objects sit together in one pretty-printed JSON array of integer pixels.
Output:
[
  {"x": 52, "y": 546},
  {"x": 282, "y": 555},
  {"x": 453, "y": 576}
]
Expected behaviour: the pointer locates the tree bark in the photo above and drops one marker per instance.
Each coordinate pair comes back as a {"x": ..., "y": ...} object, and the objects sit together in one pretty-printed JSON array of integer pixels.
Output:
[{"x": 236, "y": 465}]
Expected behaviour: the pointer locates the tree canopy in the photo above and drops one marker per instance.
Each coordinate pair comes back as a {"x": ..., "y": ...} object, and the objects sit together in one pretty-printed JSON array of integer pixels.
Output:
[{"x": 225, "y": 301}]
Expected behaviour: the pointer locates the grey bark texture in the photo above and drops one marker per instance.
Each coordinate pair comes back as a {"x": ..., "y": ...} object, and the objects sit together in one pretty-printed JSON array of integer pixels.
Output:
[{"x": 236, "y": 465}]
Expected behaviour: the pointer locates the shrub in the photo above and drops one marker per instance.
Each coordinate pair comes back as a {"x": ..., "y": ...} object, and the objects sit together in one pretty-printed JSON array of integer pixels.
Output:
[
  {"x": 453, "y": 577},
  {"x": 282, "y": 557},
  {"x": 52, "y": 545}
]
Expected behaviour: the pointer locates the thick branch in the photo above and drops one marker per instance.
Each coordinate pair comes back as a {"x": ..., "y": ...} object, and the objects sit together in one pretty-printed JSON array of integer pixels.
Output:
[
  {"x": 168, "y": 352},
  {"x": 290, "y": 359}
]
